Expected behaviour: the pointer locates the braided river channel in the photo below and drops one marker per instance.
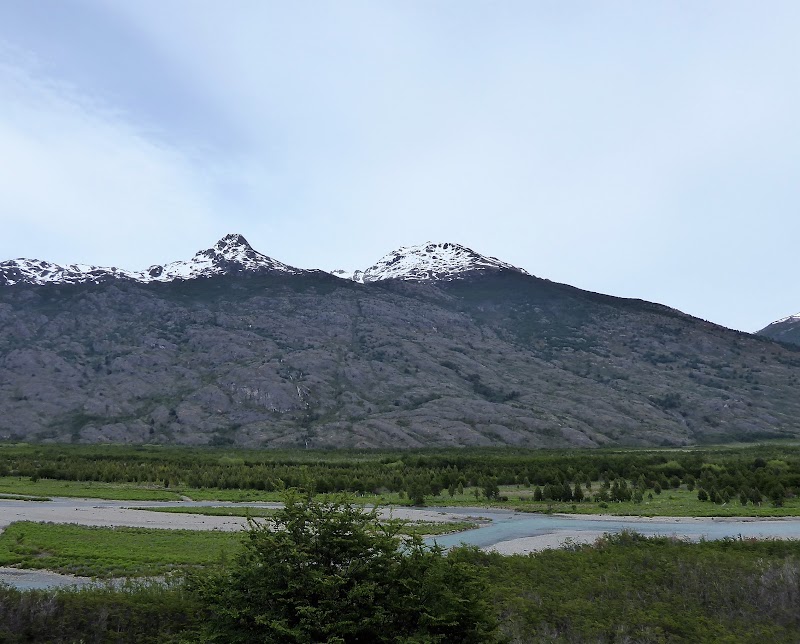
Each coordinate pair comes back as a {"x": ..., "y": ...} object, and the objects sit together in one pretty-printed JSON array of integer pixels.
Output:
[{"x": 505, "y": 531}]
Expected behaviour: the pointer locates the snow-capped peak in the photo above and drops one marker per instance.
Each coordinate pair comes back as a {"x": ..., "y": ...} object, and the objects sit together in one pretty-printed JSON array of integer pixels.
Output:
[
  {"x": 433, "y": 261},
  {"x": 231, "y": 254},
  {"x": 789, "y": 318}
]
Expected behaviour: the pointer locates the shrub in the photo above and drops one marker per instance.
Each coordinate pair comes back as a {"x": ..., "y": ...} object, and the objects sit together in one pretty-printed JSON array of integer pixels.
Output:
[{"x": 328, "y": 571}]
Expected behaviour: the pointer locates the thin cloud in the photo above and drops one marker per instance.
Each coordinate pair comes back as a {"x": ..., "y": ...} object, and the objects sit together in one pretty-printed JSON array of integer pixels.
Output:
[{"x": 82, "y": 178}]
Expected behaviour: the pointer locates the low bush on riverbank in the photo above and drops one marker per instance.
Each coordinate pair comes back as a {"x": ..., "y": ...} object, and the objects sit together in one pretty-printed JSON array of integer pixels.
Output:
[
  {"x": 630, "y": 588},
  {"x": 23, "y": 497}
]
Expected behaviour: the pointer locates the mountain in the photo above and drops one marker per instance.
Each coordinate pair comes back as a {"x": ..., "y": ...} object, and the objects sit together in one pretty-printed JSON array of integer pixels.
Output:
[
  {"x": 231, "y": 254},
  {"x": 443, "y": 347},
  {"x": 428, "y": 262},
  {"x": 784, "y": 330}
]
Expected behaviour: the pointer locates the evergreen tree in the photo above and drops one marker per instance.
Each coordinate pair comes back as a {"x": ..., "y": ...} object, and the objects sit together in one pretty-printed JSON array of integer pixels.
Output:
[
  {"x": 490, "y": 488},
  {"x": 416, "y": 493},
  {"x": 777, "y": 494}
]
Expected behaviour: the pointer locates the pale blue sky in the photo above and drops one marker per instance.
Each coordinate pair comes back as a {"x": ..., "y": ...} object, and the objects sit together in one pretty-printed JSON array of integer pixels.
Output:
[{"x": 637, "y": 149}]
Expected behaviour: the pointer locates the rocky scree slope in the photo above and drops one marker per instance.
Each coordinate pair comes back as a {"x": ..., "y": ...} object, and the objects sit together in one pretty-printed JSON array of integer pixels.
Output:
[{"x": 284, "y": 357}]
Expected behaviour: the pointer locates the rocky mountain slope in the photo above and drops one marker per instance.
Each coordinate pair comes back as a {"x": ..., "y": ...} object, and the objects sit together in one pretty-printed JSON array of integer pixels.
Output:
[
  {"x": 278, "y": 356},
  {"x": 784, "y": 330}
]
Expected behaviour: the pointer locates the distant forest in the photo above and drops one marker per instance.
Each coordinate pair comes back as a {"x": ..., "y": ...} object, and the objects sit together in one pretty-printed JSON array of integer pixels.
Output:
[{"x": 755, "y": 474}]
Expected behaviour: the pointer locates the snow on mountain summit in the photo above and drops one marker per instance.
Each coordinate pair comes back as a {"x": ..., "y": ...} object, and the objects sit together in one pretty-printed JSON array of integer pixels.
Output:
[
  {"x": 231, "y": 254},
  {"x": 433, "y": 261},
  {"x": 787, "y": 329},
  {"x": 789, "y": 318}
]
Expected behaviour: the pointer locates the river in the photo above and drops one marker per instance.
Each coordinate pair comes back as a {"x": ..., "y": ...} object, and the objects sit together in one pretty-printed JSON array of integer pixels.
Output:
[
  {"x": 519, "y": 532},
  {"x": 507, "y": 532}
]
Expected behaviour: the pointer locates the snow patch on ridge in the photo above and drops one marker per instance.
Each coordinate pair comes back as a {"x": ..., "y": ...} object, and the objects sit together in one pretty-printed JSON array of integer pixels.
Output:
[{"x": 354, "y": 276}]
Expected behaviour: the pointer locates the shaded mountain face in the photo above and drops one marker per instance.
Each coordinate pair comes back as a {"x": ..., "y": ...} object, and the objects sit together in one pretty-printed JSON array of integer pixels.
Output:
[
  {"x": 293, "y": 358},
  {"x": 784, "y": 330}
]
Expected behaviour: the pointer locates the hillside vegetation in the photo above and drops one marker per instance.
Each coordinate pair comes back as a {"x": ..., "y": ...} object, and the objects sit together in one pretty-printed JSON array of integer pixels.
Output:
[{"x": 314, "y": 361}]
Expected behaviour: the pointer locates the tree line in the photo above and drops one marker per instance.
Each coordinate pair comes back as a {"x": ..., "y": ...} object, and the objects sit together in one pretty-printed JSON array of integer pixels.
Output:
[{"x": 748, "y": 475}]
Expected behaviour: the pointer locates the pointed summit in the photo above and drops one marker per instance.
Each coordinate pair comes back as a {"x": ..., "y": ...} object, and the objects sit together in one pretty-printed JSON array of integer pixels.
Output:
[
  {"x": 232, "y": 241},
  {"x": 233, "y": 247},
  {"x": 231, "y": 254},
  {"x": 433, "y": 261}
]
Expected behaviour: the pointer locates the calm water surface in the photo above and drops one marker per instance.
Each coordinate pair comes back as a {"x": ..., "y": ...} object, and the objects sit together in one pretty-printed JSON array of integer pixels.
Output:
[{"x": 507, "y": 525}]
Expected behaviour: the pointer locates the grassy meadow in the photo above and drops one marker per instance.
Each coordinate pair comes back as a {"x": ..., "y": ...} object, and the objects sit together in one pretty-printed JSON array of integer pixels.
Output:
[
  {"x": 140, "y": 552},
  {"x": 112, "y": 552}
]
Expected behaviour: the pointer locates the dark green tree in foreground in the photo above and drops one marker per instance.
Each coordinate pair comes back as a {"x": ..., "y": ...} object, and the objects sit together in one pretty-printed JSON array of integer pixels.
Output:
[{"x": 328, "y": 571}]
